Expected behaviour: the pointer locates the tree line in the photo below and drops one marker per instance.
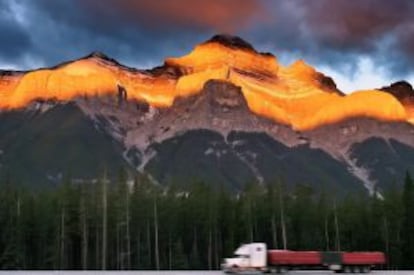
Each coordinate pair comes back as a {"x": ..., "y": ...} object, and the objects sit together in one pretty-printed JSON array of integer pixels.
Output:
[{"x": 138, "y": 225}]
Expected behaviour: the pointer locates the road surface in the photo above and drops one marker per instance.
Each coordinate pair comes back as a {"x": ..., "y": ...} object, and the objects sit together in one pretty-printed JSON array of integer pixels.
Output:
[{"x": 303, "y": 272}]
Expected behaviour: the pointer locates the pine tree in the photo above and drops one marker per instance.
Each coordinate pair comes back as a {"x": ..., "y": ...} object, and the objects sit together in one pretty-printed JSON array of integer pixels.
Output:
[
  {"x": 84, "y": 227},
  {"x": 104, "y": 222},
  {"x": 407, "y": 234}
]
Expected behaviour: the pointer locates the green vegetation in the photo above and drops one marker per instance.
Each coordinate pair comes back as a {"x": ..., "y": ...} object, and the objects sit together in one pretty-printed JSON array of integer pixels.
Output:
[
  {"x": 38, "y": 147},
  {"x": 138, "y": 225}
]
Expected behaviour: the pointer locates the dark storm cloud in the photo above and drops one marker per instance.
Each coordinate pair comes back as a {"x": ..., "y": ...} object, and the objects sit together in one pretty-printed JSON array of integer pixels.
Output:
[
  {"x": 65, "y": 29},
  {"x": 14, "y": 39},
  {"x": 355, "y": 24},
  {"x": 338, "y": 32},
  {"x": 135, "y": 32},
  {"x": 218, "y": 15},
  {"x": 143, "y": 32}
]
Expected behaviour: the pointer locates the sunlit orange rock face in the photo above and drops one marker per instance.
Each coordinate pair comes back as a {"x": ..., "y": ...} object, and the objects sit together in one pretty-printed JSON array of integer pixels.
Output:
[
  {"x": 296, "y": 95},
  {"x": 8, "y": 83},
  {"x": 91, "y": 76},
  {"x": 404, "y": 92}
]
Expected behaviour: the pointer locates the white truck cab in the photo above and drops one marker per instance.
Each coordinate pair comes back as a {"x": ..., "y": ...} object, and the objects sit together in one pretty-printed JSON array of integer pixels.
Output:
[{"x": 248, "y": 257}]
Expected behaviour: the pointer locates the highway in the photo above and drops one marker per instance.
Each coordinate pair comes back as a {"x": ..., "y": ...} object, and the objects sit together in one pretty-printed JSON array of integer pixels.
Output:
[{"x": 302, "y": 272}]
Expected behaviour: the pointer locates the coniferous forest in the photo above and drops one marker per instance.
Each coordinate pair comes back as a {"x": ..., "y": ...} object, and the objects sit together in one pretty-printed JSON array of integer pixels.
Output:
[{"x": 139, "y": 225}]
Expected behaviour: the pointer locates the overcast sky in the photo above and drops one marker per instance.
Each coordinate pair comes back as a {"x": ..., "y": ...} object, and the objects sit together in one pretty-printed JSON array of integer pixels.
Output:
[{"x": 360, "y": 43}]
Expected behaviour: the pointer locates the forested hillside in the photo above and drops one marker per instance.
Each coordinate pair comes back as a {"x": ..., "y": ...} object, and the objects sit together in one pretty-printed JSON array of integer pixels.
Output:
[{"x": 137, "y": 225}]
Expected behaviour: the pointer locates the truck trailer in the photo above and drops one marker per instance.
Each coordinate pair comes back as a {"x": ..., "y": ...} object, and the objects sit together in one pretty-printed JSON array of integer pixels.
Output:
[{"x": 255, "y": 257}]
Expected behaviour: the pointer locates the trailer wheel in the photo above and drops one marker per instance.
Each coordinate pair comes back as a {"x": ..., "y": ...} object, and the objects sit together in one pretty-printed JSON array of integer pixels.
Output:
[
  {"x": 347, "y": 269},
  {"x": 366, "y": 269},
  {"x": 284, "y": 269},
  {"x": 279, "y": 270},
  {"x": 272, "y": 270},
  {"x": 356, "y": 269}
]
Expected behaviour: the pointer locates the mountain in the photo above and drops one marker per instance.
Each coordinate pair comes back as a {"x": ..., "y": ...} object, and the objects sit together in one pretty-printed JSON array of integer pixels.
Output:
[
  {"x": 225, "y": 114},
  {"x": 46, "y": 144},
  {"x": 404, "y": 92}
]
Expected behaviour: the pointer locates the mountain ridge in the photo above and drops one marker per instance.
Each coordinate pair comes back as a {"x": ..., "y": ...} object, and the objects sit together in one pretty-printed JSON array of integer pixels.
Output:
[
  {"x": 224, "y": 114},
  {"x": 293, "y": 95}
]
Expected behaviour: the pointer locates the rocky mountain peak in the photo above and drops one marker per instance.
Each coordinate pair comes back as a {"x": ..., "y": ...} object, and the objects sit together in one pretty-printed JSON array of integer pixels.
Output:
[
  {"x": 99, "y": 55},
  {"x": 328, "y": 83},
  {"x": 236, "y": 43},
  {"x": 401, "y": 90},
  {"x": 102, "y": 57},
  {"x": 10, "y": 73},
  {"x": 293, "y": 95},
  {"x": 231, "y": 41}
]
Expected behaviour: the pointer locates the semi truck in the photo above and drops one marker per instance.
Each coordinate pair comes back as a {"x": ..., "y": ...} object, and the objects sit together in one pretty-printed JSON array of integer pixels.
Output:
[{"x": 255, "y": 257}]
